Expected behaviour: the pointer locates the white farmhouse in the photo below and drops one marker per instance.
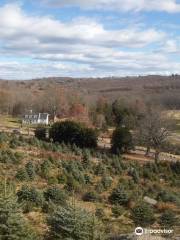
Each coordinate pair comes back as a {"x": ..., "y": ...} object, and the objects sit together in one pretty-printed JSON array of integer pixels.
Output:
[{"x": 40, "y": 118}]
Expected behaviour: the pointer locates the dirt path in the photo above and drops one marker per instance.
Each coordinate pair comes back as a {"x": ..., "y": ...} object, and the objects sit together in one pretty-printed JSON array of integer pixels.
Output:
[{"x": 139, "y": 153}]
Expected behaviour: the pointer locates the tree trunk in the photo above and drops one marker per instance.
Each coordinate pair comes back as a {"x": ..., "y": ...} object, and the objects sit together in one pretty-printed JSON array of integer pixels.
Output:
[
  {"x": 156, "y": 156},
  {"x": 147, "y": 151}
]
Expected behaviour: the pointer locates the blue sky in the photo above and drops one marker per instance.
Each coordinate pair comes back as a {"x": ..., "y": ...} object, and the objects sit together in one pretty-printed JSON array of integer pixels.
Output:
[{"x": 92, "y": 38}]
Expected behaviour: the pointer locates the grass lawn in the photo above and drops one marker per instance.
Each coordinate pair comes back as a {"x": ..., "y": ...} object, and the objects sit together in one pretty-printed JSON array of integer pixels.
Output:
[{"x": 9, "y": 122}]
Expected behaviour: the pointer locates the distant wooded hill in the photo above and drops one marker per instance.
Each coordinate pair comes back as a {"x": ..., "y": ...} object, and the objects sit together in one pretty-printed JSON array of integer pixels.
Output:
[{"x": 162, "y": 90}]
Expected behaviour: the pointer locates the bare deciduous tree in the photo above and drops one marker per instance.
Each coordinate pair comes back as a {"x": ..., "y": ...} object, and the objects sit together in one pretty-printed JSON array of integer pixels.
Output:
[{"x": 153, "y": 130}]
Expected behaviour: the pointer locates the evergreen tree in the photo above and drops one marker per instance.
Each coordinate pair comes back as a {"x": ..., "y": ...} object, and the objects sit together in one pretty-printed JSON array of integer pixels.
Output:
[
  {"x": 56, "y": 195},
  {"x": 116, "y": 165},
  {"x": 22, "y": 175},
  {"x": 72, "y": 223},
  {"x": 121, "y": 140},
  {"x": 119, "y": 196},
  {"x": 30, "y": 170},
  {"x": 143, "y": 215},
  {"x": 41, "y": 133},
  {"x": 106, "y": 182},
  {"x": 30, "y": 197},
  {"x": 86, "y": 159},
  {"x": 71, "y": 132},
  {"x": 12, "y": 223},
  {"x": 168, "y": 219},
  {"x": 45, "y": 168},
  {"x": 90, "y": 197},
  {"x": 134, "y": 174}
]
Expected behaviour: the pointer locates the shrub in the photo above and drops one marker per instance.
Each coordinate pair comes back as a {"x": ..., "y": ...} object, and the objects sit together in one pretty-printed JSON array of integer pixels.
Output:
[
  {"x": 76, "y": 170},
  {"x": 99, "y": 187},
  {"x": 62, "y": 179},
  {"x": 168, "y": 219},
  {"x": 168, "y": 197},
  {"x": 49, "y": 207},
  {"x": 121, "y": 140},
  {"x": 90, "y": 197},
  {"x": 134, "y": 174},
  {"x": 119, "y": 196},
  {"x": 3, "y": 137},
  {"x": 72, "y": 184},
  {"x": 100, "y": 213},
  {"x": 106, "y": 182},
  {"x": 52, "y": 180},
  {"x": 9, "y": 157},
  {"x": 86, "y": 159},
  {"x": 30, "y": 196},
  {"x": 147, "y": 173},
  {"x": 116, "y": 165},
  {"x": 88, "y": 179},
  {"x": 34, "y": 142},
  {"x": 175, "y": 166},
  {"x": 30, "y": 170},
  {"x": 76, "y": 150},
  {"x": 14, "y": 143},
  {"x": 143, "y": 215},
  {"x": 45, "y": 168},
  {"x": 41, "y": 133},
  {"x": 117, "y": 210},
  {"x": 71, "y": 132},
  {"x": 100, "y": 169},
  {"x": 22, "y": 175},
  {"x": 55, "y": 195}
]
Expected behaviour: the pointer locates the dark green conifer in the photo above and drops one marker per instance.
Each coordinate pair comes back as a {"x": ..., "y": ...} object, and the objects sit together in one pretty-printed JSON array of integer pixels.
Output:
[
  {"x": 13, "y": 225},
  {"x": 72, "y": 223}
]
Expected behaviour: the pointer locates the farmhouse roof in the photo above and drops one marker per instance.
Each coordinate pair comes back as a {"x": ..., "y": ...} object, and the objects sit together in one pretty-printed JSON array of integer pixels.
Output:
[
  {"x": 31, "y": 116},
  {"x": 42, "y": 116}
]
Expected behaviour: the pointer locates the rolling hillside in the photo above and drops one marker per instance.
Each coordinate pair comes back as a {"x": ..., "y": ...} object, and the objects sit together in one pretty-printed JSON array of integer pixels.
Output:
[{"x": 164, "y": 89}]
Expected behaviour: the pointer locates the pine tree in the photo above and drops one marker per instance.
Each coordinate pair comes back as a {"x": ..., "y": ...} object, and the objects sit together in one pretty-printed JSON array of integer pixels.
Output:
[
  {"x": 30, "y": 196},
  {"x": 119, "y": 196},
  {"x": 12, "y": 223},
  {"x": 45, "y": 168},
  {"x": 56, "y": 195},
  {"x": 121, "y": 140},
  {"x": 86, "y": 159},
  {"x": 72, "y": 223},
  {"x": 30, "y": 170},
  {"x": 143, "y": 215},
  {"x": 168, "y": 219}
]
